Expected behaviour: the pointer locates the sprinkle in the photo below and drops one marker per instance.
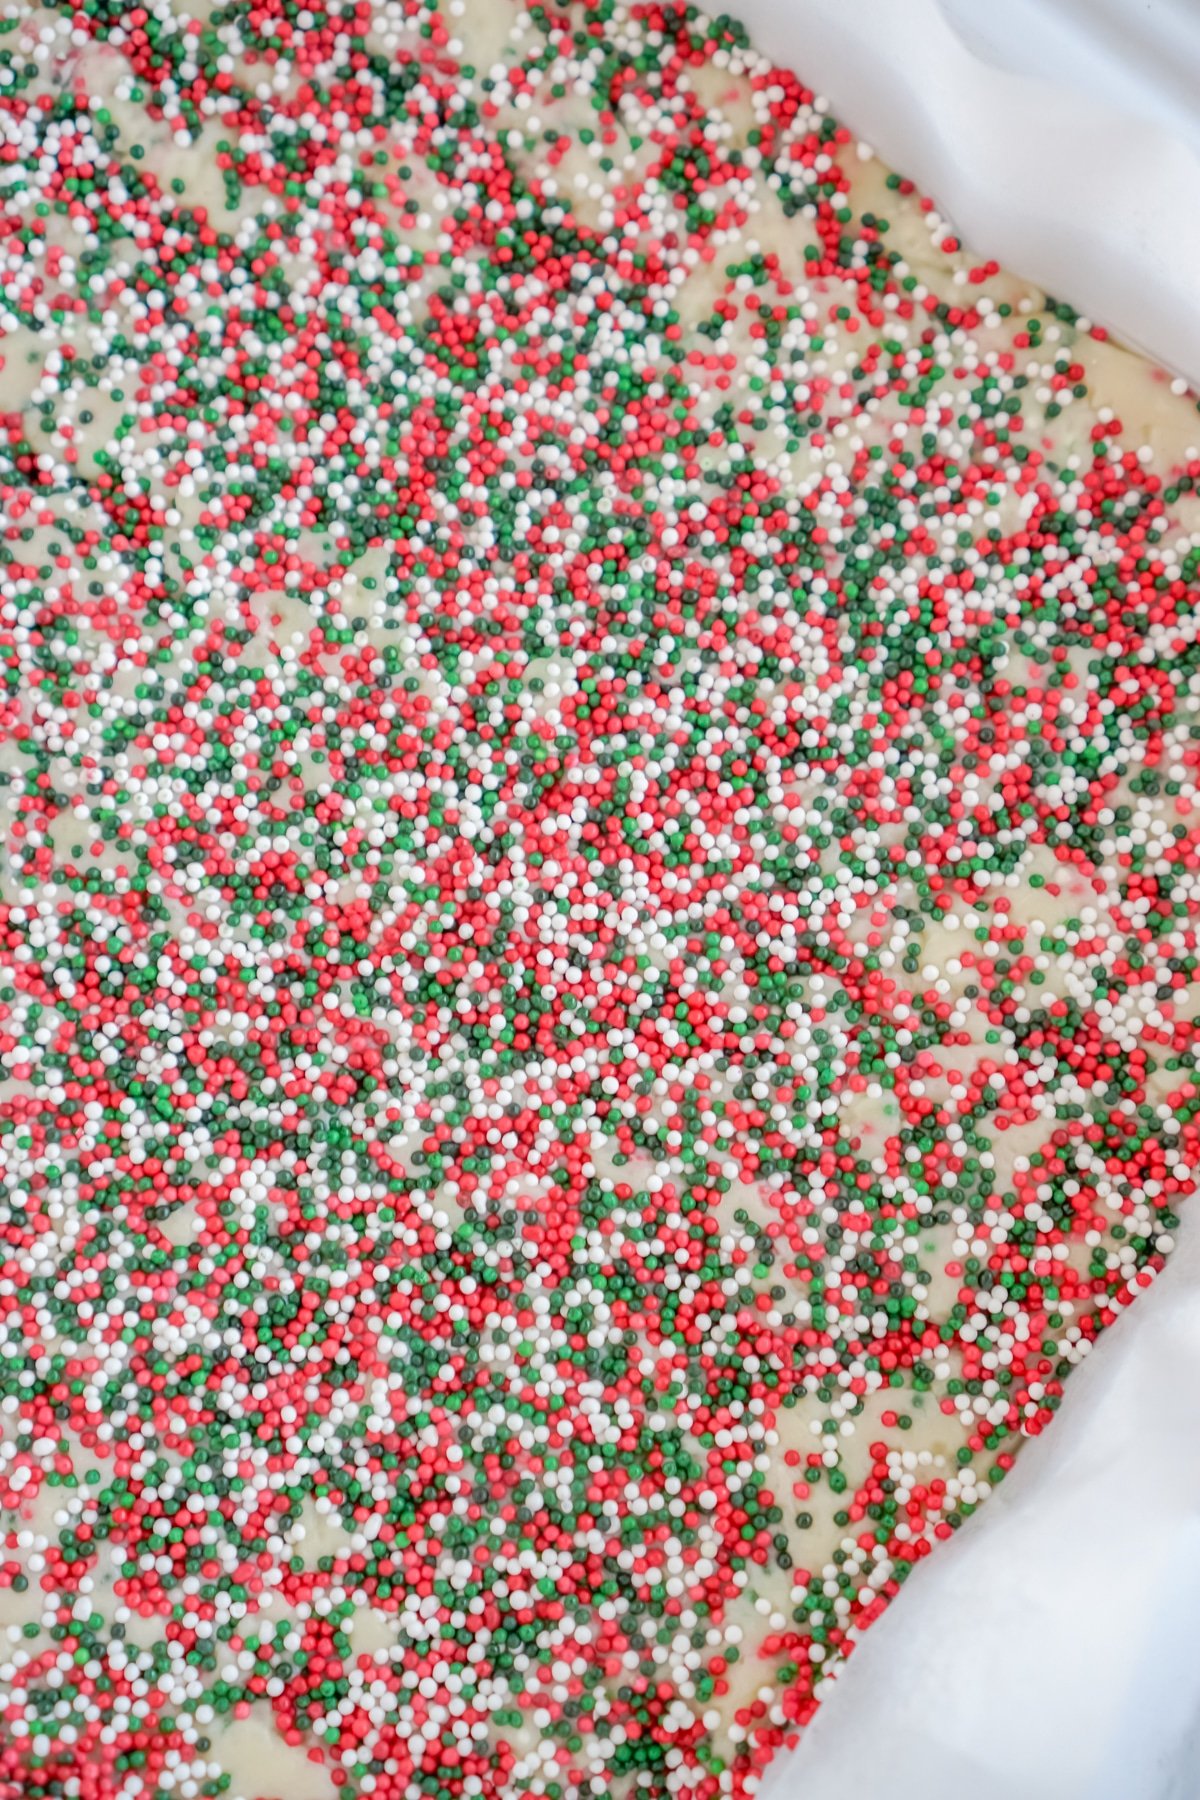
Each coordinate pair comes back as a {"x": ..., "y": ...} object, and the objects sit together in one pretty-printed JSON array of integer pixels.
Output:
[{"x": 598, "y": 939}]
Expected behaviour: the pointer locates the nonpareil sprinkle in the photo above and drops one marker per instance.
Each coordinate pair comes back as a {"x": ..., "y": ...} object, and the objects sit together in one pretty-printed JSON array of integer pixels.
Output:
[{"x": 599, "y": 893}]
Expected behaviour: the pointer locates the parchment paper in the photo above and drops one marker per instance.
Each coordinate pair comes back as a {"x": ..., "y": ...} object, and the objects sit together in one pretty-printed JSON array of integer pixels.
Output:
[{"x": 1052, "y": 1650}]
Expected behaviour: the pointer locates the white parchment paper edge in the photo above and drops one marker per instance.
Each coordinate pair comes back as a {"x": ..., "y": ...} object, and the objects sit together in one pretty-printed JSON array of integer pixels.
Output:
[{"x": 1053, "y": 1649}]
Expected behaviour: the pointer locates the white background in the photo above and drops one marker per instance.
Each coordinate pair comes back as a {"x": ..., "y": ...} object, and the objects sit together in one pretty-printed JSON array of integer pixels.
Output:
[
  {"x": 1052, "y": 1650},
  {"x": 1061, "y": 136}
]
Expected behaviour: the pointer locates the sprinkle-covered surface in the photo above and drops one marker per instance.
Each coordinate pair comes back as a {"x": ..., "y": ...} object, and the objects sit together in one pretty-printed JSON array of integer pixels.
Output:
[{"x": 599, "y": 933}]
